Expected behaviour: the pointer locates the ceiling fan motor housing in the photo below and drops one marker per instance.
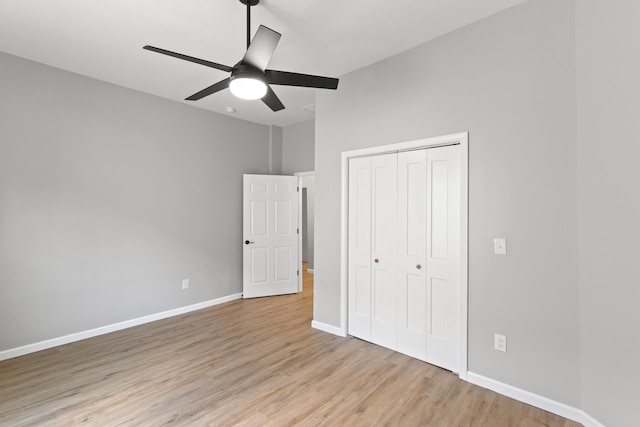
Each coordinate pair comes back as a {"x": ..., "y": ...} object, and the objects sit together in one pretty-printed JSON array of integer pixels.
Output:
[{"x": 246, "y": 71}]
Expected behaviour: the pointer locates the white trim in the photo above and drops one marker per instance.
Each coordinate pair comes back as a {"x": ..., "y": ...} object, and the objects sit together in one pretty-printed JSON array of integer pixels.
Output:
[
  {"x": 54, "y": 342},
  {"x": 309, "y": 173},
  {"x": 300, "y": 231},
  {"x": 310, "y": 270},
  {"x": 533, "y": 399},
  {"x": 589, "y": 421},
  {"x": 464, "y": 253},
  {"x": 461, "y": 138},
  {"x": 344, "y": 244},
  {"x": 328, "y": 328},
  {"x": 436, "y": 141}
]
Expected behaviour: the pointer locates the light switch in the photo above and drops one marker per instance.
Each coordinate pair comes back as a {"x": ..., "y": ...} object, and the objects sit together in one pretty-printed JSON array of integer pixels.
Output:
[{"x": 500, "y": 246}]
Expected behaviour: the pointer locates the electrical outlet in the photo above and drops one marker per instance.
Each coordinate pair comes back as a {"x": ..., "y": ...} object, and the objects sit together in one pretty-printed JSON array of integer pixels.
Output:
[
  {"x": 185, "y": 284},
  {"x": 500, "y": 246},
  {"x": 500, "y": 343}
]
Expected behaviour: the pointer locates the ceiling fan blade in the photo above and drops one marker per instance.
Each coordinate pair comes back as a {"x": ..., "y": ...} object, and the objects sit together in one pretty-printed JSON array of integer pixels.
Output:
[
  {"x": 261, "y": 48},
  {"x": 190, "y": 58},
  {"x": 286, "y": 78},
  {"x": 272, "y": 100},
  {"x": 223, "y": 84}
]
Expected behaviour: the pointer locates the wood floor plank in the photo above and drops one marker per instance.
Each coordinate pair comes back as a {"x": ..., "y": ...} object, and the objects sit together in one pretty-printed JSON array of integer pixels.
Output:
[{"x": 244, "y": 363}]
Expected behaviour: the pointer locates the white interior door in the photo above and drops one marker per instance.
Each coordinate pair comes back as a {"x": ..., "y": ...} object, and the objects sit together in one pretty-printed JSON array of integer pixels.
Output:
[
  {"x": 384, "y": 180},
  {"x": 360, "y": 248},
  {"x": 404, "y": 252},
  {"x": 412, "y": 247},
  {"x": 270, "y": 231},
  {"x": 443, "y": 257}
]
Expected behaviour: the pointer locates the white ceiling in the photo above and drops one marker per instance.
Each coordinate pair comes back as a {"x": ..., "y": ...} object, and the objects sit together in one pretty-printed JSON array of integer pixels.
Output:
[{"x": 103, "y": 39}]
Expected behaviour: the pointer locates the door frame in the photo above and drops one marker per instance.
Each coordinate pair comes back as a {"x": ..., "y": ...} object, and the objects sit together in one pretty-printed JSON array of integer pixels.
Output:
[
  {"x": 301, "y": 175},
  {"x": 462, "y": 139}
]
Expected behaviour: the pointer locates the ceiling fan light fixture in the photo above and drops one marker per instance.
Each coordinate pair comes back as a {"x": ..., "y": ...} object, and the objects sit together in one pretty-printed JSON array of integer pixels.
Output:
[
  {"x": 250, "y": 78},
  {"x": 248, "y": 87}
]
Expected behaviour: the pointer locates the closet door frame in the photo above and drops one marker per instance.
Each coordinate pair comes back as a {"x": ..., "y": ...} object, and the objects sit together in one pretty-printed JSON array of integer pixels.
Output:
[{"x": 462, "y": 139}]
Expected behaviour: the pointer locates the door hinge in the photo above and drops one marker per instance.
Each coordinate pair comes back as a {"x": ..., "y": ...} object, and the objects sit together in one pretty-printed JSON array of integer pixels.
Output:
[
  {"x": 297, "y": 230},
  {"x": 298, "y": 272},
  {"x": 298, "y": 189}
]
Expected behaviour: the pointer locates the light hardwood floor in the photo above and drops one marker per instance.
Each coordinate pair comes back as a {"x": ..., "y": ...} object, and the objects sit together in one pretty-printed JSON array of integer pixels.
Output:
[{"x": 250, "y": 363}]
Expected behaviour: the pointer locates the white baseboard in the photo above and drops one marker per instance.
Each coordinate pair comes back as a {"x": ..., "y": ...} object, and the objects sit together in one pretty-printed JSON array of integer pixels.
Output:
[
  {"x": 589, "y": 421},
  {"x": 310, "y": 270},
  {"x": 533, "y": 399},
  {"x": 328, "y": 328},
  {"x": 54, "y": 342}
]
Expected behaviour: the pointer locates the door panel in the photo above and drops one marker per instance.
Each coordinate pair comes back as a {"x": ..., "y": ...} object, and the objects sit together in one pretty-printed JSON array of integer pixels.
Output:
[
  {"x": 283, "y": 258},
  {"x": 384, "y": 248},
  {"x": 362, "y": 297},
  {"x": 258, "y": 266},
  {"x": 360, "y": 248},
  {"x": 384, "y": 290},
  {"x": 439, "y": 303},
  {"x": 412, "y": 247},
  {"x": 259, "y": 216},
  {"x": 270, "y": 222},
  {"x": 283, "y": 218},
  {"x": 439, "y": 181},
  {"x": 414, "y": 308},
  {"x": 443, "y": 256}
]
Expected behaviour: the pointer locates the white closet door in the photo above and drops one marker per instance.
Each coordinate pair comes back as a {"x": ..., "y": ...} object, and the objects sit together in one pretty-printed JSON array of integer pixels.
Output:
[
  {"x": 384, "y": 171},
  {"x": 404, "y": 252},
  {"x": 443, "y": 256},
  {"x": 360, "y": 247},
  {"x": 412, "y": 246}
]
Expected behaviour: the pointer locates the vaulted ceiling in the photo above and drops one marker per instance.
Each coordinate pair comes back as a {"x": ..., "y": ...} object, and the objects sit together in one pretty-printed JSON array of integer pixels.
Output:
[{"x": 103, "y": 39}]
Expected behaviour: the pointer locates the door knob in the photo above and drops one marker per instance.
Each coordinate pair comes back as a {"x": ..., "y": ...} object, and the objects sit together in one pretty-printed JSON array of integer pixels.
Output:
[
  {"x": 418, "y": 266},
  {"x": 375, "y": 260},
  {"x": 246, "y": 242}
]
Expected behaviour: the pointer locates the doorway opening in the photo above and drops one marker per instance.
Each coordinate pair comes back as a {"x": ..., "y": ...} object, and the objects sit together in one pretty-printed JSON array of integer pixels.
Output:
[{"x": 306, "y": 220}]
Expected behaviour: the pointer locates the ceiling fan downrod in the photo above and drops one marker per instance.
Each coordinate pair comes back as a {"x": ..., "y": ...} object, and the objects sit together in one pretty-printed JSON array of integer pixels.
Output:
[{"x": 249, "y": 3}]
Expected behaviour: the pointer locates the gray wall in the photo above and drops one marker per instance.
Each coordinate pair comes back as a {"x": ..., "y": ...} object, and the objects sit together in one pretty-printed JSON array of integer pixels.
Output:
[
  {"x": 109, "y": 198},
  {"x": 510, "y": 81},
  {"x": 298, "y": 142},
  {"x": 608, "y": 66},
  {"x": 298, "y": 155},
  {"x": 275, "y": 150}
]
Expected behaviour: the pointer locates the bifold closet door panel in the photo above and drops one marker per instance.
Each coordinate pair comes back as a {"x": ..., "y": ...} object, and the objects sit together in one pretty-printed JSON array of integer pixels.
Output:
[
  {"x": 404, "y": 252},
  {"x": 412, "y": 246},
  {"x": 443, "y": 256},
  {"x": 360, "y": 247},
  {"x": 384, "y": 174}
]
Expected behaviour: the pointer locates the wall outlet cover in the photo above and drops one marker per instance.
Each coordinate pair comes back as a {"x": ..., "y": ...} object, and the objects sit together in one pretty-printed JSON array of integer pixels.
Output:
[
  {"x": 500, "y": 342},
  {"x": 500, "y": 246}
]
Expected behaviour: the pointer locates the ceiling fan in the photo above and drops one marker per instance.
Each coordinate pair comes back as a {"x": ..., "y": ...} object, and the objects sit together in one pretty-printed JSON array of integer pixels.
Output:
[{"x": 250, "y": 78}]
